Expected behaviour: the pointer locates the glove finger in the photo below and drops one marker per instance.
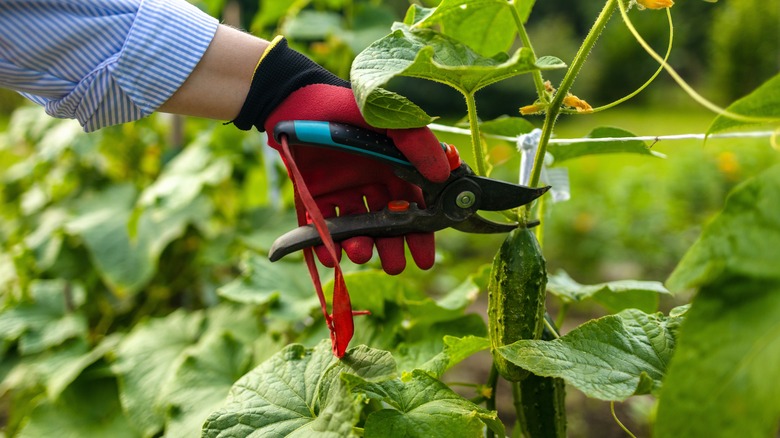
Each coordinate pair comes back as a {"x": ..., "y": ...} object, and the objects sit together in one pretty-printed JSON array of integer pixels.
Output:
[
  {"x": 324, "y": 256},
  {"x": 423, "y": 249},
  {"x": 359, "y": 249},
  {"x": 423, "y": 150},
  {"x": 391, "y": 253}
]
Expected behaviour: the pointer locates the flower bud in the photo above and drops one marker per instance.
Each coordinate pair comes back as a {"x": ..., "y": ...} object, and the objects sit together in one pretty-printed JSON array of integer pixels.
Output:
[
  {"x": 532, "y": 109},
  {"x": 575, "y": 102},
  {"x": 654, "y": 4}
]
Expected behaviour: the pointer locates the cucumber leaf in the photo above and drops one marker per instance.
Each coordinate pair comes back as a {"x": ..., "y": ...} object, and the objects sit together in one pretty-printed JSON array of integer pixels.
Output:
[
  {"x": 422, "y": 406},
  {"x": 763, "y": 102},
  {"x": 88, "y": 407},
  {"x": 286, "y": 287},
  {"x": 614, "y": 295},
  {"x": 455, "y": 351},
  {"x": 742, "y": 241},
  {"x": 723, "y": 380},
  {"x": 576, "y": 150},
  {"x": 486, "y": 26},
  {"x": 199, "y": 385},
  {"x": 427, "y": 54},
  {"x": 45, "y": 321},
  {"x": 298, "y": 392},
  {"x": 506, "y": 126},
  {"x": 404, "y": 320},
  {"x": 145, "y": 361},
  {"x": 610, "y": 358}
]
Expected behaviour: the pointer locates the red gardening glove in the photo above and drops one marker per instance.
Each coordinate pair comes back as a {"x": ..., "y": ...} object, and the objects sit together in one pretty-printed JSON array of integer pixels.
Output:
[{"x": 340, "y": 181}]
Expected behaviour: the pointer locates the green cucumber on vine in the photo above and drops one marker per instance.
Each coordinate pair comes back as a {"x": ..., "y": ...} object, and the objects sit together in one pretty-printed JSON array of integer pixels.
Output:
[
  {"x": 540, "y": 402},
  {"x": 516, "y": 293}
]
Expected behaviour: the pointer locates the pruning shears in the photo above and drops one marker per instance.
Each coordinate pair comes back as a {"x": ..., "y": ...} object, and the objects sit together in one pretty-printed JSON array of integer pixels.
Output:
[{"x": 451, "y": 204}]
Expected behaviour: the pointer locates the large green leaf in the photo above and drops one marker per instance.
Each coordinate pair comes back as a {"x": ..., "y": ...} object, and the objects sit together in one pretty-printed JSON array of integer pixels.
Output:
[
  {"x": 125, "y": 237},
  {"x": 63, "y": 369},
  {"x": 297, "y": 393},
  {"x": 125, "y": 244},
  {"x": 88, "y": 408},
  {"x": 145, "y": 361},
  {"x": 723, "y": 379},
  {"x": 184, "y": 178},
  {"x": 506, "y": 126},
  {"x": 455, "y": 351},
  {"x": 201, "y": 382},
  {"x": 404, "y": 320},
  {"x": 486, "y": 26},
  {"x": 563, "y": 152},
  {"x": 56, "y": 368},
  {"x": 742, "y": 241},
  {"x": 427, "y": 54},
  {"x": 48, "y": 319},
  {"x": 613, "y": 295},
  {"x": 424, "y": 342},
  {"x": 763, "y": 102},
  {"x": 610, "y": 358},
  {"x": 422, "y": 406},
  {"x": 286, "y": 287}
]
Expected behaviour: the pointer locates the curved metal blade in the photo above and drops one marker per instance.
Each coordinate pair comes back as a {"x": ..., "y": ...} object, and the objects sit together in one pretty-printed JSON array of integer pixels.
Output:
[
  {"x": 479, "y": 225},
  {"x": 500, "y": 195}
]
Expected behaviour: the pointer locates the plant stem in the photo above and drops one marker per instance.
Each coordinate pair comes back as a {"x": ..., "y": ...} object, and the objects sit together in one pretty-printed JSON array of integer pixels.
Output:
[
  {"x": 617, "y": 420},
  {"x": 701, "y": 100},
  {"x": 647, "y": 83},
  {"x": 554, "y": 109},
  {"x": 476, "y": 141},
  {"x": 490, "y": 403},
  {"x": 561, "y": 317},
  {"x": 517, "y": 401},
  {"x": 539, "y": 230},
  {"x": 536, "y": 74},
  {"x": 551, "y": 329}
]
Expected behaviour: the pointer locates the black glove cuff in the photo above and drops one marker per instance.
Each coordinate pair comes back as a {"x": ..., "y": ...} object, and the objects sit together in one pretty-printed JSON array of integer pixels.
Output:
[{"x": 282, "y": 71}]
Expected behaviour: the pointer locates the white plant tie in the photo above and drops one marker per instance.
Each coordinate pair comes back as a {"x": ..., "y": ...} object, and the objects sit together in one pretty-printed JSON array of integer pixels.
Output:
[
  {"x": 527, "y": 144},
  {"x": 557, "y": 178}
]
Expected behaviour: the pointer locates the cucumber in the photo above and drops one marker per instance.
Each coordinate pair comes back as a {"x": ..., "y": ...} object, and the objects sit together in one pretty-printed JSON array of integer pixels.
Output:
[
  {"x": 516, "y": 293},
  {"x": 543, "y": 404}
]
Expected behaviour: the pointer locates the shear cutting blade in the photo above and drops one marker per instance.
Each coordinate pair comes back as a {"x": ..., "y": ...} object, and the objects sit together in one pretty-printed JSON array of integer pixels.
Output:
[
  {"x": 500, "y": 195},
  {"x": 479, "y": 225}
]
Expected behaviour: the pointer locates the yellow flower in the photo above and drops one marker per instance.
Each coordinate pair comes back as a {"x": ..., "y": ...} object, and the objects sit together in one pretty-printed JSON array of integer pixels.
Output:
[
  {"x": 728, "y": 164},
  {"x": 575, "y": 102},
  {"x": 654, "y": 4},
  {"x": 532, "y": 109}
]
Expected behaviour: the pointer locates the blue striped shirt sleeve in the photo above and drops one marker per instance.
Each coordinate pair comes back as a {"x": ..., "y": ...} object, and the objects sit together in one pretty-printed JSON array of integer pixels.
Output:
[{"x": 102, "y": 62}]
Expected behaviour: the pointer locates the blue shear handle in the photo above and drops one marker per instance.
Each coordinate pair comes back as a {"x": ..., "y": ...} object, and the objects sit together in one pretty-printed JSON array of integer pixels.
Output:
[{"x": 343, "y": 137}]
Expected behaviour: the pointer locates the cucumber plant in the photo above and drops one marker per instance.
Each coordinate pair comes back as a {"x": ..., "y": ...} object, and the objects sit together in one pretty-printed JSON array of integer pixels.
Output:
[{"x": 137, "y": 299}]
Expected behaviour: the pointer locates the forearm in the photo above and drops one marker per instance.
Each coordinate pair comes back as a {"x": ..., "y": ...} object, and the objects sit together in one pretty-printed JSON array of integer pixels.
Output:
[{"x": 218, "y": 85}]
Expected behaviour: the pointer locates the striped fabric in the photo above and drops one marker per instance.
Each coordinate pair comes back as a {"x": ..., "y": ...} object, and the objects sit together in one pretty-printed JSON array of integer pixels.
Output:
[{"x": 102, "y": 62}]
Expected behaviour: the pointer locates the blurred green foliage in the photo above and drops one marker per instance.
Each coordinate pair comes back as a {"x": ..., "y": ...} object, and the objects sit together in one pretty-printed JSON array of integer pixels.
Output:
[
  {"x": 745, "y": 47},
  {"x": 109, "y": 240}
]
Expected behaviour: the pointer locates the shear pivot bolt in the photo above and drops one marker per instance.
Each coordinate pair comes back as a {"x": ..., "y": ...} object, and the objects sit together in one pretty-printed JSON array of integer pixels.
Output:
[{"x": 465, "y": 199}]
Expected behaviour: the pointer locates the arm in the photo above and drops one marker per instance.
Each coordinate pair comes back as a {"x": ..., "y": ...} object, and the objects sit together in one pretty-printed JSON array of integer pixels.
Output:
[
  {"x": 115, "y": 61},
  {"x": 218, "y": 86},
  {"x": 102, "y": 62}
]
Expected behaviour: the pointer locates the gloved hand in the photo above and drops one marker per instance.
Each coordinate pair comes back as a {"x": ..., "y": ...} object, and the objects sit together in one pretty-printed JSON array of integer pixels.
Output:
[{"x": 289, "y": 86}]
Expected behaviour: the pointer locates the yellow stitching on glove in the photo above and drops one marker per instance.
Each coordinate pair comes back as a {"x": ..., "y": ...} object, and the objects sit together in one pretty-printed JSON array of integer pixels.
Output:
[{"x": 270, "y": 47}]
